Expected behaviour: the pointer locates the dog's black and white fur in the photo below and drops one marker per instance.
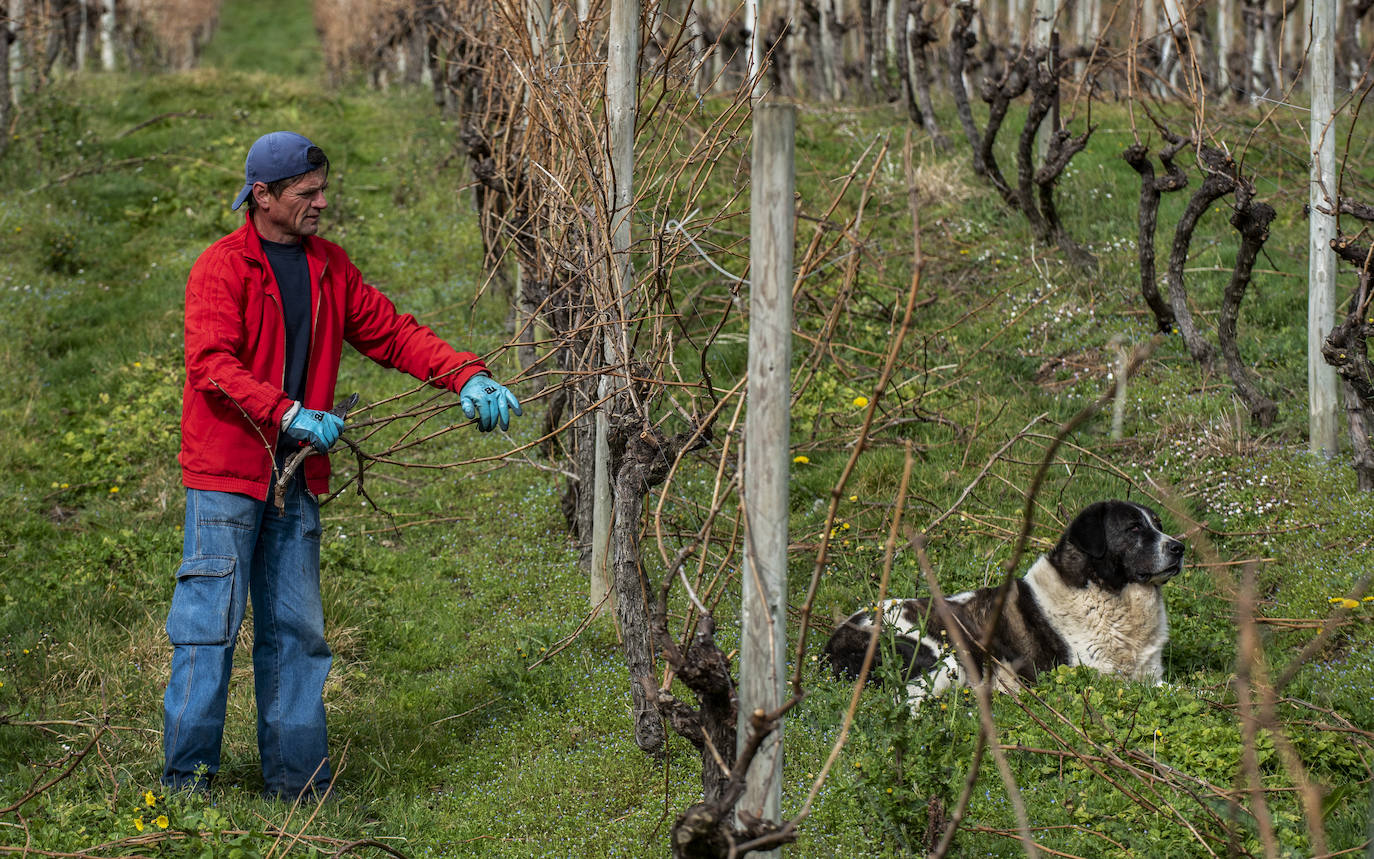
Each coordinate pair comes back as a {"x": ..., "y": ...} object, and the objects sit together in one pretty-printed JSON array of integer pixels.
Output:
[{"x": 1092, "y": 600}]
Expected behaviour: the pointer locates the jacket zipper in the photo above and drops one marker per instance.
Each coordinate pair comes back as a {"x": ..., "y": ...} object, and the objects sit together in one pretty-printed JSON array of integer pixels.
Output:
[
  {"x": 282, "y": 311},
  {"x": 276, "y": 437},
  {"x": 315, "y": 317}
]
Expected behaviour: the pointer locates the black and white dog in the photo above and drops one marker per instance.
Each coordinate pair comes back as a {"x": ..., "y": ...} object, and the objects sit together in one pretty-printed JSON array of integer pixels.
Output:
[{"x": 1092, "y": 600}]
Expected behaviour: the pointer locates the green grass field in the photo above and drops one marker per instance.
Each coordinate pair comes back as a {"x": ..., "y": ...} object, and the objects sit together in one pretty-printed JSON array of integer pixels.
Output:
[{"x": 448, "y": 739}]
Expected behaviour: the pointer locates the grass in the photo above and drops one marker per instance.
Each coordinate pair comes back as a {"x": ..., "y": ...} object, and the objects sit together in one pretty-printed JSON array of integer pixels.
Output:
[
  {"x": 447, "y": 741},
  {"x": 273, "y": 38}
]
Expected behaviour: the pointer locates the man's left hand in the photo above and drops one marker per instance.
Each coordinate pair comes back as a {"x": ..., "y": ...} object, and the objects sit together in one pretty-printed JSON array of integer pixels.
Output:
[{"x": 490, "y": 402}]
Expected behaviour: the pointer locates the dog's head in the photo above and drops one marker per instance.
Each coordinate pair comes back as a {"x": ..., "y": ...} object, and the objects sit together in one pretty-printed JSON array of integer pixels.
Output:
[{"x": 1116, "y": 543}]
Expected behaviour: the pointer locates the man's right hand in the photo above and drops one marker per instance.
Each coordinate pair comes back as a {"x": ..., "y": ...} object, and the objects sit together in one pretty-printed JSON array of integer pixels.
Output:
[{"x": 315, "y": 427}]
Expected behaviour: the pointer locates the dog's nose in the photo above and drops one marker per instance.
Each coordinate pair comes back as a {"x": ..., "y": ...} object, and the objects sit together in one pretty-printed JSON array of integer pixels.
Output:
[{"x": 1176, "y": 549}]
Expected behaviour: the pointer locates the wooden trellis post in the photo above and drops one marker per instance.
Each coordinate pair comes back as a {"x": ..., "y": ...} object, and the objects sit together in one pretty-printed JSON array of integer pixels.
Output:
[
  {"x": 14, "y": 58},
  {"x": 1321, "y": 296},
  {"x": 763, "y": 633},
  {"x": 1043, "y": 25},
  {"x": 622, "y": 64}
]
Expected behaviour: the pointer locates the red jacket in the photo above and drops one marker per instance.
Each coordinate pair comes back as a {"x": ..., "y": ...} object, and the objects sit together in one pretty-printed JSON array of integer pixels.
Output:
[{"x": 233, "y": 401}]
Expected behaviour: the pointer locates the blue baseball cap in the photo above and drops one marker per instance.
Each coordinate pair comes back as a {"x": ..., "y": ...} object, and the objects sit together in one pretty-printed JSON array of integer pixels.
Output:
[{"x": 278, "y": 155}]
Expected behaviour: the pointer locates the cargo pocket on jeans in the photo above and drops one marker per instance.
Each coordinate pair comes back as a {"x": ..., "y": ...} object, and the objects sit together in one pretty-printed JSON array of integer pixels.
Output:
[{"x": 202, "y": 601}]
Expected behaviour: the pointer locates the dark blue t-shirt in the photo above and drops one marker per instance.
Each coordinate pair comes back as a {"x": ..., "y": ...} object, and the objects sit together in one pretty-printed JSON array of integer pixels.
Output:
[{"x": 292, "y": 271}]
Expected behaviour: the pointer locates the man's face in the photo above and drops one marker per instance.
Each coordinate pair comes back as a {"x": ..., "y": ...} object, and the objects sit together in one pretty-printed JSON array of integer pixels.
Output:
[{"x": 296, "y": 213}]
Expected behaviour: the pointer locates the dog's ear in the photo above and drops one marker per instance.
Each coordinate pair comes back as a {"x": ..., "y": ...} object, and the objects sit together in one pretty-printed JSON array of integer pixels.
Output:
[
  {"x": 1088, "y": 531},
  {"x": 1082, "y": 549}
]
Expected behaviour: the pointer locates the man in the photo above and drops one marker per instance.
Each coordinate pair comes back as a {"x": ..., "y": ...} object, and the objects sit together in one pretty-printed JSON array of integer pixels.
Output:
[{"x": 268, "y": 308}]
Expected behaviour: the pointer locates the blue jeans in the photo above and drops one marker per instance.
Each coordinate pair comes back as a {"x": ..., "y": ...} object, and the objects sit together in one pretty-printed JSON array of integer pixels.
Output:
[{"x": 236, "y": 546}]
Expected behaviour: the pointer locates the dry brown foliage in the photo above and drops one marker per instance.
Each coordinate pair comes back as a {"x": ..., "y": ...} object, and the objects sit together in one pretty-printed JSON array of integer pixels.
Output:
[{"x": 176, "y": 29}]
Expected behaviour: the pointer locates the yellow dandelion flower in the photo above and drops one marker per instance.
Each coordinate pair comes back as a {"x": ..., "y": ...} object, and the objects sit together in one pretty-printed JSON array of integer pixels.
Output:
[
  {"x": 860, "y": 402},
  {"x": 114, "y": 490},
  {"x": 844, "y": 527},
  {"x": 963, "y": 251},
  {"x": 162, "y": 821},
  {"x": 149, "y": 798},
  {"x": 66, "y": 486},
  {"x": 54, "y": 484},
  {"x": 138, "y": 364},
  {"x": 1367, "y": 599},
  {"x": 802, "y": 459},
  {"x": 138, "y": 823},
  {"x": 1345, "y": 602},
  {"x": 856, "y": 498}
]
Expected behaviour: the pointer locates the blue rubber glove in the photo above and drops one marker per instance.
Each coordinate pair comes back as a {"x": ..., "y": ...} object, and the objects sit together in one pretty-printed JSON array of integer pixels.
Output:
[
  {"x": 489, "y": 401},
  {"x": 315, "y": 427}
]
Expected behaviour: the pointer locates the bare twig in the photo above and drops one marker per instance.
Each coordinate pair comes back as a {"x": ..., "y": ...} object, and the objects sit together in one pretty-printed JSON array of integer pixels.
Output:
[
  {"x": 983, "y": 692},
  {"x": 69, "y": 766},
  {"x": 837, "y": 492}
]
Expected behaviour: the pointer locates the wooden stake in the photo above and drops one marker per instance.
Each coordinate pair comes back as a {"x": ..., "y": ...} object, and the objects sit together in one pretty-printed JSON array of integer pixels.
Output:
[
  {"x": 1324, "y": 198},
  {"x": 767, "y": 460}
]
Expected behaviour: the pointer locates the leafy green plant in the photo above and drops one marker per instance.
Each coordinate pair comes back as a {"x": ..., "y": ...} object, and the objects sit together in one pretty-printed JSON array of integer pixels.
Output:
[
  {"x": 63, "y": 255},
  {"x": 1101, "y": 762},
  {"x": 120, "y": 434}
]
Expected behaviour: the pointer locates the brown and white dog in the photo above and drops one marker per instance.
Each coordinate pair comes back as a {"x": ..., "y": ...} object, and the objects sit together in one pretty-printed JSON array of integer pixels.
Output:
[{"x": 1092, "y": 600}]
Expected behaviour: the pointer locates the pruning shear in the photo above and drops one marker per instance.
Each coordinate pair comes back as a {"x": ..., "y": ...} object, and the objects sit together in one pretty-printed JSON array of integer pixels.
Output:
[{"x": 344, "y": 406}]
